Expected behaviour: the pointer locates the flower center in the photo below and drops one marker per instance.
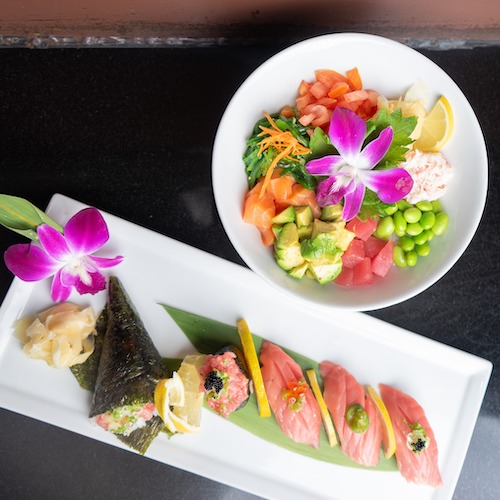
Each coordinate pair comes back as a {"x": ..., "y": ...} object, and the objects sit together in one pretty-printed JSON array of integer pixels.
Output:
[
  {"x": 343, "y": 178},
  {"x": 76, "y": 267}
]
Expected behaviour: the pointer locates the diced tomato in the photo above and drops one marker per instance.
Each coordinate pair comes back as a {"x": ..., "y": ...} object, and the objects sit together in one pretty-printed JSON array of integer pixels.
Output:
[
  {"x": 304, "y": 87},
  {"x": 319, "y": 90},
  {"x": 327, "y": 102},
  {"x": 303, "y": 101},
  {"x": 354, "y": 254},
  {"x": 330, "y": 77},
  {"x": 383, "y": 261},
  {"x": 354, "y": 79},
  {"x": 373, "y": 246},
  {"x": 356, "y": 96},
  {"x": 362, "y": 272},
  {"x": 362, "y": 229},
  {"x": 307, "y": 119},
  {"x": 338, "y": 88}
]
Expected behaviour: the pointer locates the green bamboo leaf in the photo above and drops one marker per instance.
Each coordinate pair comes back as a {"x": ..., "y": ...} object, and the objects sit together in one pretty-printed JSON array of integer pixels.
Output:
[
  {"x": 207, "y": 336},
  {"x": 22, "y": 217}
]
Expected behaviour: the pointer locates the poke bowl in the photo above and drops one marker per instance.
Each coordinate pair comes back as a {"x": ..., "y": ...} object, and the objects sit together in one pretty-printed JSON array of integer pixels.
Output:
[{"x": 392, "y": 70}]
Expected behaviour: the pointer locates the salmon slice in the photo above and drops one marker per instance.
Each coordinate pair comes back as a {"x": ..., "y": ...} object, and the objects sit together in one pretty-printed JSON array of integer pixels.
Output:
[
  {"x": 281, "y": 374},
  {"x": 280, "y": 188},
  {"x": 341, "y": 390},
  {"x": 420, "y": 468},
  {"x": 302, "y": 196}
]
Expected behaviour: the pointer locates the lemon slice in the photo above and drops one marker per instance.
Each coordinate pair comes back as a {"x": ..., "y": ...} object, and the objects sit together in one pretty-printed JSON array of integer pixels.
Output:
[
  {"x": 325, "y": 415},
  {"x": 179, "y": 409},
  {"x": 254, "y": 367},
  {"x": 389, "y": 439},
  {"x": 437, "y": 127}
]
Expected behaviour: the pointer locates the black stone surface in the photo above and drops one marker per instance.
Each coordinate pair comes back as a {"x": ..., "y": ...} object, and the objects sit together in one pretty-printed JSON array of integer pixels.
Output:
[{"x": 130, "y": 131}]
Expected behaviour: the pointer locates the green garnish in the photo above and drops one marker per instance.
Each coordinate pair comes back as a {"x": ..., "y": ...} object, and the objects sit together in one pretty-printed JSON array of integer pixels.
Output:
[{"x": 357, "y": 418}]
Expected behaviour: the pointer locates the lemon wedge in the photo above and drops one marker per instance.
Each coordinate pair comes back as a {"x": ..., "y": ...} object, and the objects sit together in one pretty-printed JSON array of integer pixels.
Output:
[
  {"x": 178, "y": 399},
  {"x": 437, "y": 127},
  {"x": 325, "y": 415},
  {"x": 388, "y": 436},
  {"x": 253, "y": 365}
]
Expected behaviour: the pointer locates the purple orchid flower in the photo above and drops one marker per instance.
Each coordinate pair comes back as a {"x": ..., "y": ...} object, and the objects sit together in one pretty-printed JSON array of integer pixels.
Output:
[
  {"x": 350, "y": 172},
  {"x": 65, "y": 256}
]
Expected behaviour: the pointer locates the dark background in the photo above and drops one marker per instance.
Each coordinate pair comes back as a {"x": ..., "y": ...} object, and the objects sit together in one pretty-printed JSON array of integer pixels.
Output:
[{"x": 130, "y": 131}]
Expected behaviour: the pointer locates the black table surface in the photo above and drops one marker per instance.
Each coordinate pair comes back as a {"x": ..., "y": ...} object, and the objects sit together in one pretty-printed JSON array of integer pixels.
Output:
[{"x": 130, "y": 131}]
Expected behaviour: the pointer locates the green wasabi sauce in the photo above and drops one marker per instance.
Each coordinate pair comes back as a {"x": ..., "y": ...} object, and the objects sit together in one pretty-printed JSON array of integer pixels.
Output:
[{"x": 357, "y": 418}]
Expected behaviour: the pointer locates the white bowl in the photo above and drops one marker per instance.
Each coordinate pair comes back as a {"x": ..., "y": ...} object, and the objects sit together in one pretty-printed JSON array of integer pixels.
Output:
[{"x": 389, "y": 68}]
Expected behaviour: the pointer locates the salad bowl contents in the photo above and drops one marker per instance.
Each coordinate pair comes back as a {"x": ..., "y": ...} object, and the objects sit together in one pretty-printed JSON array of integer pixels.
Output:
[{"x": 339, "y": 170}]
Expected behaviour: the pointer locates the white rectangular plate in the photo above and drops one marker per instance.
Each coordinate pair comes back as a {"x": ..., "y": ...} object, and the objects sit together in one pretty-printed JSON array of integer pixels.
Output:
[{"x": 448, "y": 383}]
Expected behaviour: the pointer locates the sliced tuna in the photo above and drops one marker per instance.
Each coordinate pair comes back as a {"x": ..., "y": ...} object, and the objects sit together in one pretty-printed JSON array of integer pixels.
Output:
[
  {"x": 416, "y": 448},
  {"x": 290, "y": 397},
  {"x": 341, "y": 391}
]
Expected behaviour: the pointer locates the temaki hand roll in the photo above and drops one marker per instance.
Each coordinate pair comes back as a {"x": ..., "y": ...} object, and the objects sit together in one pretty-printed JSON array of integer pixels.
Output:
[{"x": 129, "y": 369}]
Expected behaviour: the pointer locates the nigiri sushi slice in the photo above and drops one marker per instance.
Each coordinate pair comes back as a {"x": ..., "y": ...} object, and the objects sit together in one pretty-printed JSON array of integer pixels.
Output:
[
  {"x": 290, "y": 397},
  {"x": 341, "y": 392},
  {"x": 416, "y": 447}
]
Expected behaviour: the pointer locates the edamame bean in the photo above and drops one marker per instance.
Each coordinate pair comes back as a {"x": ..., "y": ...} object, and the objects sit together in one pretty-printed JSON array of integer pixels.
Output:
[
  {"x": 391, "y": 209},
  {"x": 399, "y": 256},
  {"x": 436, "y": 206},
  {"x": 412, "y": 258},
  {"x": 420, "y": 239},
  {"x": 406, "y": 243},
  {"x": 399, "y": 224},
  {"x": 441, "y": 224},
  {"x": 412, "y": 215},
  {"x": 414, "y": 228},
  {"x": 423, "y": 250},
  {"x": 403, "y": 205},
  {"x": 424, "y": 206},
  {"x": 428, "y": 219},
  {"x": 385, "y": 227},
  {"x": 429, "y": 234}
]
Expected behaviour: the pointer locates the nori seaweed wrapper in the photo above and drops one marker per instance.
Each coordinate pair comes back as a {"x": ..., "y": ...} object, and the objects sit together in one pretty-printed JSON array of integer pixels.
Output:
[
  {"x": 129, "y": 368},
  {"x": 86, "y": 372}
]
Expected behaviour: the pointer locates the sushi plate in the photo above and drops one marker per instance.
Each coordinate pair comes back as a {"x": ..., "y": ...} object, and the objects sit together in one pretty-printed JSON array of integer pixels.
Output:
[{"x": 450, "y": 384}]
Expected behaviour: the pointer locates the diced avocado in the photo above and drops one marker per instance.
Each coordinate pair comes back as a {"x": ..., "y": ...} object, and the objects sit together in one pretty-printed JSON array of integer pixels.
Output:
[
  {"x": 303, "y": 216},
  {"x": 323, "y": 245},
  {"x": 344, "y": 239},
  {"x": 331, "y": 213},
  {"x": 276, "y": 229},
  {"x": 331, "y": 228},
  {"x": 325, "y": 270},
  {"x": 287, "y": 247},
  {"x": 299, "y": 271},
  {"x": 287, "y": 215},
  {"x": 289, "y": 235},
  {"x": 305, "y": 232}
]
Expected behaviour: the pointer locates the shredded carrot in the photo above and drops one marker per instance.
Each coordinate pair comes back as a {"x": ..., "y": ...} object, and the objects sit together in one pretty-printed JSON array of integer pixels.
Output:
[{"x": 284, "y": 142}]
